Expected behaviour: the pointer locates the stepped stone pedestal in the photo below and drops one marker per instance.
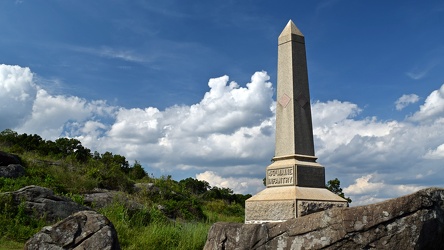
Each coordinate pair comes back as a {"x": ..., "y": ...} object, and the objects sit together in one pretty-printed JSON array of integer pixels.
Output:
[
  {"x": 295, "y": 181},
  {"x": 294, "y": 188}
]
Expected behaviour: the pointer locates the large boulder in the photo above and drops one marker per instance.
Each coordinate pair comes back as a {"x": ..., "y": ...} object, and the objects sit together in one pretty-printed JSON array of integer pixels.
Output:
[
  {"x": 414, "y": 221},
  {"x": 82, "y": 230},
  {"x": 10, "y": 166},
  {"x": 12, "y": 171},
  {"x": 147, "y": 189},
  {"x": 43, "y": 203},
  {"x": 6, "y": 159},
  {"x": 100, "y": 198}
]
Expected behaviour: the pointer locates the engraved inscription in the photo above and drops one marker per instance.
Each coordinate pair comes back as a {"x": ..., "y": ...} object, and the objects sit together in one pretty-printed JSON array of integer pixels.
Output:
[{"x": 280, "y": 176}]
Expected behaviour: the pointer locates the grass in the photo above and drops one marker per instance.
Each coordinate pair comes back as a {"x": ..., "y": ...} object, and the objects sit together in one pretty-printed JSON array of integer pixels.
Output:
[
  {"x": 146, "y": 228},
  {"x": 16, "y": 226},
  {"x": 10, "y": 245},
  {"x": 169, "y": 236},
  {"x": 149, "y": 229}
]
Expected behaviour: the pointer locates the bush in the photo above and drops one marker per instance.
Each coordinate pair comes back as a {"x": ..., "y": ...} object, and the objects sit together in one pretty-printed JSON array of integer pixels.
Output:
[
  {"x": 190, "y": 210},
  {"x": 15, "y": 224},
  {"x": 150, "y": 229},
  {"x": 219, "y": 210},
  {"x": 137, "y": 172}
]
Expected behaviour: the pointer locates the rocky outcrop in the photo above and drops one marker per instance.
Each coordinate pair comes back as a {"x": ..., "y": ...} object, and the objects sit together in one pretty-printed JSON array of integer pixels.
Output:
[
  {"x": 10, "y": 166},
  {"x": 82, "y": 230},
  {"x": 146, "y": 188},
  {"x": 100, "y": 198},
  {"x": 12, "y": 171},
  {"x": 42, "y": 203},
  {"x": 6, "y": 159},
  {"x": 414, "y": 221}
]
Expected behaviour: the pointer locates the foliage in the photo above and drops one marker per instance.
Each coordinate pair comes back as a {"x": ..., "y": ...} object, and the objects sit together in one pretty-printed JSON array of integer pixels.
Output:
[
  {"x": 219, "y": 210},
  {"x": 195, "y": 186},
  {"x": 15, "y": 224},
  {"x": 149, "y": 229},
  {"x": 175, "y": 214},
  {"x": 334, "y": 186},
  {"x": 137, "y": 172}
]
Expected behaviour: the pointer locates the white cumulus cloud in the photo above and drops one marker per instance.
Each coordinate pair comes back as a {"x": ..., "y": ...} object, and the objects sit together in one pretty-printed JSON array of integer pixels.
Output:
[
  {"x": 230, "y": 125},
  {"x": 433, "y": 107},
  {"x": 238, "y": 185},
  {"x": 363, "y": 185},
  {"x": 17, "y": 95},
  {"x": 437, "y": 153},
  {"x": 366, "y": 190},
  {"x": 52, "y": 115},
  {"x": 405, "y": 100},
  {"x": 227, "y": 138}
]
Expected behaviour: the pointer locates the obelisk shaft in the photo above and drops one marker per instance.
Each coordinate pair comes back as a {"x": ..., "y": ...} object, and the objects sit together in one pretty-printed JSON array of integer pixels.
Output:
[
  {"x": 295, "y": 181},
  {"x": 294, "y": 129}
]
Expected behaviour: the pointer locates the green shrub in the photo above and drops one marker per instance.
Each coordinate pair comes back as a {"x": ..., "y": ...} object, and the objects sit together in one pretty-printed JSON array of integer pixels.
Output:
[
  {"x": 219, "y": 210},
  {"x": 15, "y": 223},
  {"x": 77, "y": 198},
  {"x": 189, "y": 209}
]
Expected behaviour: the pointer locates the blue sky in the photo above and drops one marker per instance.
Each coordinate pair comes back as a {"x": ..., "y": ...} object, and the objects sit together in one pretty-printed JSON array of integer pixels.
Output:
[{"x": 133, "y": 77}]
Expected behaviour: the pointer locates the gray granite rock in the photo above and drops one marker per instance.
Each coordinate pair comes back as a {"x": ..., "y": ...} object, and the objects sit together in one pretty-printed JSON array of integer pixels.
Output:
[
  {"x": 43, "y": 203},
  {"x": 10, "y": 166},
  {"x": 100, "y": 198},
  {"x": 414, "y": 221},
  {"x": 146, "y": 188},
  {"x": 12, "y": 171},
  {"x": 6, "y": 159},
  {"x": 82, "y": 230}
]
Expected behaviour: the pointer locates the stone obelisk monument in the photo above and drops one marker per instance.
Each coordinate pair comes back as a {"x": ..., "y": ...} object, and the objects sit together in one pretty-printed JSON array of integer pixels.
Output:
[{"x": 295, "y": 181}]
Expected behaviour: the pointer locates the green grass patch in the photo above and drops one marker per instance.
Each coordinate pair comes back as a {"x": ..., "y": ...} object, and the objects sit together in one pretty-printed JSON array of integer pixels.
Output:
[
  {"x": 6, "y": 244},
  {"x": 150, "y": 229}
]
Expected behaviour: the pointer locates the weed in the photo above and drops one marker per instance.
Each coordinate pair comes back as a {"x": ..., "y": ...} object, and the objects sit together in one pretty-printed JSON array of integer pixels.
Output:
[{"x": 15, "y": 223}]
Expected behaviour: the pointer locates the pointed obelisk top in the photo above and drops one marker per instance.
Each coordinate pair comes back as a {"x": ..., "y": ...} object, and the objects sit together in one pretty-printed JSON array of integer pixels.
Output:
[
  {"x": 288, "y": 32},
  {"x": 290, "y": 28}
]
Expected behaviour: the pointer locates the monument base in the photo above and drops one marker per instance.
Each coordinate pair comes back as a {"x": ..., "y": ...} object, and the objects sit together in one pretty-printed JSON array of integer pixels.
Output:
[
  {"x": 295, "y": 170},
  {"x": 277, "y": 204}
]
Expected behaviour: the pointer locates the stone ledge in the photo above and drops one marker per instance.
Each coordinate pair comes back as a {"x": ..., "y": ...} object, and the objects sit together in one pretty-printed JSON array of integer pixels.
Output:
[{"x": 413, "y": 221}]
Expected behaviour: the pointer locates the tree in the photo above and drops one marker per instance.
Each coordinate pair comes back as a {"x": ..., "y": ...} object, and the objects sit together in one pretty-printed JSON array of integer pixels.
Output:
[
  {"x": 8, "y": 137},
  {"x": 109, "y": 160},
  {"x": 137, "y": 172},
  {"x": 67, "y": 147},
  {"x": 334, "y": 186},
  {"x": 195, "y": 186}
]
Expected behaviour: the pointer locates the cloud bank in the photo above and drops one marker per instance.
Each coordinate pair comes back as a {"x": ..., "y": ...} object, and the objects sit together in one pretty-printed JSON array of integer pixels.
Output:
[{"x": 227, "y": 138}]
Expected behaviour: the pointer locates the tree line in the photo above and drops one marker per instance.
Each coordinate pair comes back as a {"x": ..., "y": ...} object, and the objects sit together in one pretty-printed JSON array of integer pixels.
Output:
[{"x": 112, "y": 171}]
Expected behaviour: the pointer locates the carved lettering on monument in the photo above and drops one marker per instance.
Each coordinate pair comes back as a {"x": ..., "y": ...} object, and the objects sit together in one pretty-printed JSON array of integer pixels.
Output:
[{"x": 280, "y": 177}]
